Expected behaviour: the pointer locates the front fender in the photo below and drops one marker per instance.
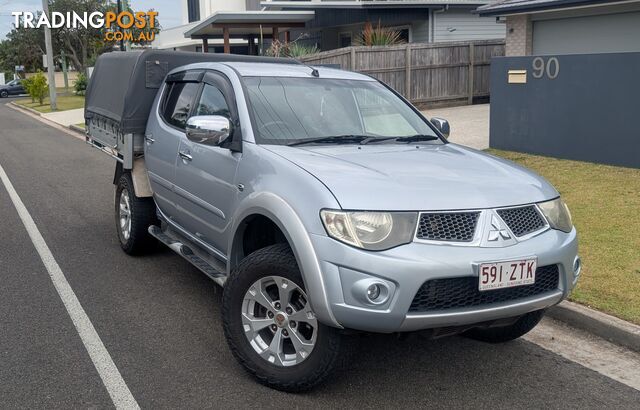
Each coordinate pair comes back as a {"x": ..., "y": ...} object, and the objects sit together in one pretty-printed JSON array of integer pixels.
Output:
[{"x": 284, "y": 216}]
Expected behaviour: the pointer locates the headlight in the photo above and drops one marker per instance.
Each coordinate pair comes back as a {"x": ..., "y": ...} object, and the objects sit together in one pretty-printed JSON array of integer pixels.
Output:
[
  {"x": 370, "y": 230},
  {"x": 557, "y": 213}
]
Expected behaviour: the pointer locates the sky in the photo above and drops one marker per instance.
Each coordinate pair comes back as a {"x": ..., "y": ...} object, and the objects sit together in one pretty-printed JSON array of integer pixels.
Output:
[{"x": 169, "y": 11}]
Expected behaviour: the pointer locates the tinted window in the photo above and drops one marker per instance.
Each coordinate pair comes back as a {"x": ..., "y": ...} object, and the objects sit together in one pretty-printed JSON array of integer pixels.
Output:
[
  {"x": 212, "y": 102},
  {"x": 178, "y": 103}
]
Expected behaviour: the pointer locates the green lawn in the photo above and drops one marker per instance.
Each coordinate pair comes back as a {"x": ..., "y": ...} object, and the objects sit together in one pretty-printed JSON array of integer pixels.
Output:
[
  {"x": 65, "y": 102},
  {"x": 605, "y": 205}
]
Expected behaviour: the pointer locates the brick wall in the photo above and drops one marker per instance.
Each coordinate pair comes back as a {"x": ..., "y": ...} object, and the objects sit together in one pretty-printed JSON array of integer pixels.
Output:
[{"x": 519, "y": 36}]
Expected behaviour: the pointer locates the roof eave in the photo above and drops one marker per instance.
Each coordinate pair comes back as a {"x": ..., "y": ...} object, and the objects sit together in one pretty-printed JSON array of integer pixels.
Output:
[{"x": 497, "y": 10}]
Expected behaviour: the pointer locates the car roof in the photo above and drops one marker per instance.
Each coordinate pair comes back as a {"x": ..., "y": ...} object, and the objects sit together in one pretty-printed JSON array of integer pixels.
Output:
[{"x": 245, "y": 69}]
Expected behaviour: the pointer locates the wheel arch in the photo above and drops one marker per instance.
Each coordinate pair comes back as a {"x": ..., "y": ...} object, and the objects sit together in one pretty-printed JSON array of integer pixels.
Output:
[
  {"x": 277, "y": 211},
  {"x": 139, "y": 176}
]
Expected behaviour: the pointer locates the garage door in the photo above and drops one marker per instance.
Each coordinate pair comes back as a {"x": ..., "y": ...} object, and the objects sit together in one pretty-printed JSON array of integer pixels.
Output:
[{"x": 608, "y": 33}]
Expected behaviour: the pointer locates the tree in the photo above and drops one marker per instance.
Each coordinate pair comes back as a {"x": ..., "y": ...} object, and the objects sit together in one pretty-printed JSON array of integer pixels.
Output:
[
  {"x": 84, "y": 44},
  {"x": 22, "y": 47},
  {"x": 25, "y": 46},
  {"x": 80, "y": 43}
]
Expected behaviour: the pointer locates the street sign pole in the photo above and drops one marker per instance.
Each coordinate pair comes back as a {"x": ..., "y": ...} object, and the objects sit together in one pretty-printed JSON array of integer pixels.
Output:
[{"x": 50, "y": 67}]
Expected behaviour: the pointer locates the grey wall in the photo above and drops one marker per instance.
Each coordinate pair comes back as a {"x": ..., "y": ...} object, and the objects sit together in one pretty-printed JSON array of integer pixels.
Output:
[
  {"x": 459, "y": 24},
  {"x": 589, "y": 112},
  {"x": 590, "y": 34}
]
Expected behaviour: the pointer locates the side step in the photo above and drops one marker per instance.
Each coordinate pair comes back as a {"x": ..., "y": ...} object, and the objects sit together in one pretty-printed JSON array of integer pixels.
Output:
[{"x": 210, "y": 268}]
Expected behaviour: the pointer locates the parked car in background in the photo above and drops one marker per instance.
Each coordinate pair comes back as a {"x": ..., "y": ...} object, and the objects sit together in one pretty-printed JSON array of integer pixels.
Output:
[{"x": 13, "y": 87}]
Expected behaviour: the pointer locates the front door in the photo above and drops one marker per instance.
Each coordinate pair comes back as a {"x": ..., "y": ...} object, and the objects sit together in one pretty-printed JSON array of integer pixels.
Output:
[
  {"x": 205, "y": 188},
  {"x": 163, "y": 138}
]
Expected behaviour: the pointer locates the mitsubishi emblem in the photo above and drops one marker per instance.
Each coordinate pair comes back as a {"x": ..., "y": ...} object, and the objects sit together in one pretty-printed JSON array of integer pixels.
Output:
[{"x": 498, "y": 231}]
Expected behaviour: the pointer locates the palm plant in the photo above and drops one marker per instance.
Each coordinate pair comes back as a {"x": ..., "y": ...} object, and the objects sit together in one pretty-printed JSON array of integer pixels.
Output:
[{"x": 378, "y": 36}]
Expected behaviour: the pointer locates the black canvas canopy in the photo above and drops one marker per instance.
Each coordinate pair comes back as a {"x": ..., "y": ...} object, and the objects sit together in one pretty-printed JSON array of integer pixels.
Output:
[{"x": 124, "y": 84}]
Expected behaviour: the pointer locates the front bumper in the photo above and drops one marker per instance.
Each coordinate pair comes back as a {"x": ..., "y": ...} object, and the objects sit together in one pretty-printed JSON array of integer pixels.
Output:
[{"x": 406, "y": 268}]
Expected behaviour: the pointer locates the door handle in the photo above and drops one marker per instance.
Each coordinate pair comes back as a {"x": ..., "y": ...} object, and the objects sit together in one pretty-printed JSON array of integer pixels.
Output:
[
  {"x": 149, "y": 139},
  {"x": 185, "y": 156}
]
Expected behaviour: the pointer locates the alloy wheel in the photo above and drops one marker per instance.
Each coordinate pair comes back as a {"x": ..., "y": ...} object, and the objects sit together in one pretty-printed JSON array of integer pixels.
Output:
[
  {"x": 278, "y": 321},
  {"x": 125, "y": 215}
]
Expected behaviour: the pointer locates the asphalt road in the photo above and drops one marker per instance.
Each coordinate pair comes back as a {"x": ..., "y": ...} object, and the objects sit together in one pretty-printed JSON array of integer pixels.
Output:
[{"x": 159, "y": 318}]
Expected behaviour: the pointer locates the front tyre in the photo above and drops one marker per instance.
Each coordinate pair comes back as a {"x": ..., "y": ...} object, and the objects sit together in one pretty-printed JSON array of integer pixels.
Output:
[
  {"x": 4, "y": 94},
  {"x": 507, "y": 333},
  {"x": 269, "y": 324},
  {"x": 133, "y": 217}
]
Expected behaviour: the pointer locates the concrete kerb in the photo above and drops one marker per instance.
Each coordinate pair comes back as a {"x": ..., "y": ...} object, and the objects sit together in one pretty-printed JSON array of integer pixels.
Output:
[
  {"x": 37, "y": 116},
  {"x": 21, "y": 107},
  {"x": 77, "y": 129},
  {"x": 600, "y": 324}
]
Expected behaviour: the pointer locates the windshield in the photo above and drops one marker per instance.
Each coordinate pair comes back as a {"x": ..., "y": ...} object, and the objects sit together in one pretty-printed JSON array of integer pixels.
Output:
[{"x": 288, "y": 110}]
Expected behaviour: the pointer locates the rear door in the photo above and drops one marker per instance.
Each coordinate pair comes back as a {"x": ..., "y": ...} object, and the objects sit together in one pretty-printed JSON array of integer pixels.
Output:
[
  {"x": 163, "y": 138},
  {"x": 206, "y": 191}
]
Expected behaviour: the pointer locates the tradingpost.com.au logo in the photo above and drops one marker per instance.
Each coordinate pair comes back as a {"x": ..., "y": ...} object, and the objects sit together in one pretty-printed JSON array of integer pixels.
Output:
[{"x": 116, "y": 24}]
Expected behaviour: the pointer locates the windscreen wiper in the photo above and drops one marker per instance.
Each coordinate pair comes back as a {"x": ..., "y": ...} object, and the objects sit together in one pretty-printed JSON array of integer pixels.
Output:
[
  {"x": 417, "y": 137},
  {"x": 335, "y": 139}
]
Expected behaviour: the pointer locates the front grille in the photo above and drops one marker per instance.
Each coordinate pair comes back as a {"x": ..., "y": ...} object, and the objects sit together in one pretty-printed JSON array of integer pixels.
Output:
[
  {"x": 442, "y": 294},
  {"x": 522, "y": 220},
  {"x": 451, "y": 226}
]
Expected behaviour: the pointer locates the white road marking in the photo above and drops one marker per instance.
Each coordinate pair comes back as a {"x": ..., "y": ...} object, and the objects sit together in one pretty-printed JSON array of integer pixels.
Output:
[
  {"x": 111, "y": 377},
  {"x": 589, "y": 351}
]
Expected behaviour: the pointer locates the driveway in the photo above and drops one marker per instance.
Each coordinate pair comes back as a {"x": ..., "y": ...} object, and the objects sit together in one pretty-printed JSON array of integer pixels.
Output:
[
  {"x": 158, "y": 318},
  {"x": 469, "y": 124}
]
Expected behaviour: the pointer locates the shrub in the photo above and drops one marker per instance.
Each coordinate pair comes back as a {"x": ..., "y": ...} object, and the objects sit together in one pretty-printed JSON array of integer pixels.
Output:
[
  {"x": 292, "y": 49},
  {"x": 300, "y": 50},
  {"x": 80, "y": 84},
  {"x": 38, "y": 87},
  {"x": 378, "y": 36},
  {"x": 27, "y": 84}
]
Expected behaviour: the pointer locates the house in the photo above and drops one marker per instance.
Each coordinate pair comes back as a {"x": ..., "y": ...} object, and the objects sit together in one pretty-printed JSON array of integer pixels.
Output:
[
  {"x": 544, "y": 27},
  {"x": 243, "y": 26}
]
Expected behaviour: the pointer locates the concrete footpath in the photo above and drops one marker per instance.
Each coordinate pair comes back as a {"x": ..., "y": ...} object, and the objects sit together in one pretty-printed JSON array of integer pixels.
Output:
[
  {"x": 469, "y": 124},
  {"x": 66, "y": 118}
]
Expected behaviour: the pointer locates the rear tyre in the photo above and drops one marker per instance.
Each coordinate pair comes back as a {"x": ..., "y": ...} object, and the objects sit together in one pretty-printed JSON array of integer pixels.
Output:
[
  {"x": 507, "y": 333},
  {"x": 269, "y": 325},
  {"x": 4, "y": 94},
  {"x": 133, "y": 217}
]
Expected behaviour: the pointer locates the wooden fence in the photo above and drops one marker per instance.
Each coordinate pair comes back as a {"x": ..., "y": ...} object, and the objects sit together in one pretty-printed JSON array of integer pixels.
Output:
[{"x": 425, "y": 74}]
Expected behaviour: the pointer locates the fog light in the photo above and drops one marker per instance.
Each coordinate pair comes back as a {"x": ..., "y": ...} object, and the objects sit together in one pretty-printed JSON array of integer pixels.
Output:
[
  {"x": 373, "y": 292},
  {"x": 577, "y": 265}
]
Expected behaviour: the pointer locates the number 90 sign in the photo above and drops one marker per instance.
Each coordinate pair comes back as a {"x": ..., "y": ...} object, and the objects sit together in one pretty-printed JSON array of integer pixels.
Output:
[{"x": 551, "y": 67}]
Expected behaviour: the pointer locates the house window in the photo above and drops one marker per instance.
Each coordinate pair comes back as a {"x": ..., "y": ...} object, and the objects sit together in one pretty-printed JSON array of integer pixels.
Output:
[
  {"x": 405, "y": 33},
  {"x": 193, "y": 8}
]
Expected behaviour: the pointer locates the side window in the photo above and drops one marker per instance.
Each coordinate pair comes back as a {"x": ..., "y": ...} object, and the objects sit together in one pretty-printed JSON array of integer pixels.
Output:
[
  {"x": 212, "y": 102},
  {"x": 177, "y": 105}
]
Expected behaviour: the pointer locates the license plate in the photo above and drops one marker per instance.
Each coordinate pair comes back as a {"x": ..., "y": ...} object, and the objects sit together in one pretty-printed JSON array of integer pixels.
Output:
[{"x": 499, "y": 275}]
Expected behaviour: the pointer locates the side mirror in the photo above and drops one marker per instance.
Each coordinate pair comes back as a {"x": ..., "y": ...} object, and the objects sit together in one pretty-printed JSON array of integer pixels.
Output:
[
  {"x": 208, "y": 129},
  {"x": 442, "y": 125}
]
